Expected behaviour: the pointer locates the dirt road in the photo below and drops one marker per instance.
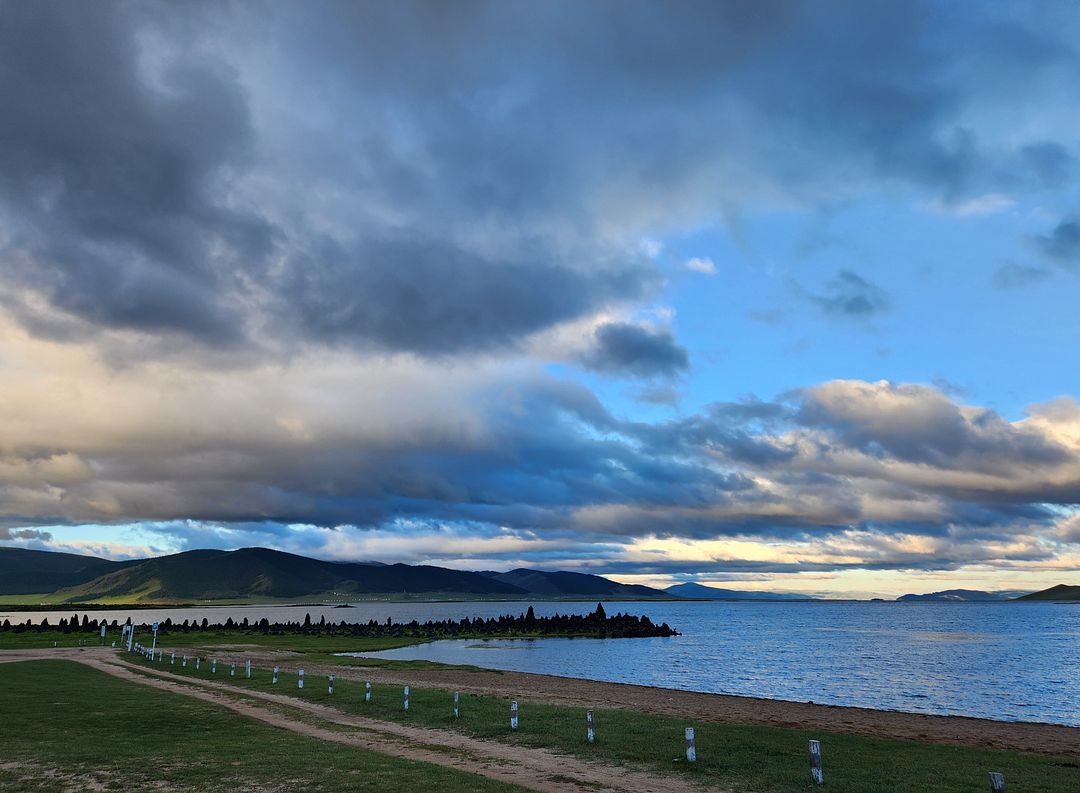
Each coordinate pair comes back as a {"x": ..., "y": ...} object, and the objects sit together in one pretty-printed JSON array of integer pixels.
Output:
[{"x": 535, "y": 769}]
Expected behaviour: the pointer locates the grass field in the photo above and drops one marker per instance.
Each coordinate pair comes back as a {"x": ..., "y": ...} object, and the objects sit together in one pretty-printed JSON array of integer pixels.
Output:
[
  {"x": 744, "y": 758},
  {"x": 319, "y": 649},
  {"x": 210, "y": 639},
  {"x": 68, "y": 727}
]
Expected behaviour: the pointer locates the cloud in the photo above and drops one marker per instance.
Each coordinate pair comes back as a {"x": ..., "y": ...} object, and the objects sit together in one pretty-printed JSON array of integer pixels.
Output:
[
  {"x": 1063, "y": 243},
  {"x": 630, "y": 350},
  {"x": 209, "y": 204},
  {"x": 988, "y": 204},
  {"x": 236, "y": 306},
  {"x": 848, "y": 294},
  {"x": 1018, "y": 276},
  {"x": 701, "y": 265},
  {"x": 7, "y": 534},
  {"x": 447, "y": 464},
  {"x": 1048, "y": 162}
]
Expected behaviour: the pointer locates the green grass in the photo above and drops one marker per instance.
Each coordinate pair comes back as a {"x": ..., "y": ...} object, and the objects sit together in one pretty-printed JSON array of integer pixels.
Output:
[
  {"x": 209, "y": 639},
  {"x": 740, "y": 757},
  {"x": 317, "y": 649},
  {"x": 69, "y": 727},
  {"x": 29, "y": 640}
]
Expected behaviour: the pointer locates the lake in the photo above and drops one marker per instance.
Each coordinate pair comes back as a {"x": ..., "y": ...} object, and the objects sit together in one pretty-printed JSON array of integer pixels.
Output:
[{"x": 1006, "y": 661}]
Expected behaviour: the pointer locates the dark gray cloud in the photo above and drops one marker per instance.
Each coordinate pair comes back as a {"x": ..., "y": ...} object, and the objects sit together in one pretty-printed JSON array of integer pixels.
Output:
[
  {"x": 309, "y": 177},
  {"x": 848, "y": 294},
  {"x": 24, "y": 535},
  {"x": 1018, "y": 276},
  {"x": 114, "y": 190},
  {"x": 1050, "y": 164},
  {"x": 628, "y": 349},
  {"x": 384, "y": 292},
  {"x": 1063, "y": 243}
]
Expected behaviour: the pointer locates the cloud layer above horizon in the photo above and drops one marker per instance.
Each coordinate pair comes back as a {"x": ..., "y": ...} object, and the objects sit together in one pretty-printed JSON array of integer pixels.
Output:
[{"x": 497, "y": 284}]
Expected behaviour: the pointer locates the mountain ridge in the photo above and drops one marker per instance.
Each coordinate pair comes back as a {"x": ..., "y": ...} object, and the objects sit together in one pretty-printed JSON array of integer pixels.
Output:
[
  {"x": 1065, "y": 592},
  {"x": 262, "y": 573},
  {"x": 957, "y": 596},
  {"x": 695, "y": 591}
]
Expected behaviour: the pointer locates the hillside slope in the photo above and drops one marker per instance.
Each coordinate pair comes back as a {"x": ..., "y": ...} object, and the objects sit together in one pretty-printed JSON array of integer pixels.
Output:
[
  {"x": 24, "y": 571},
  {"x": 260, "y": 572},
  {"x": 955, "y": 596},
  {"x": 565, "y": 584},
  {"x": 701, "y": 592},
  {"x": 1059, "y": 592}
]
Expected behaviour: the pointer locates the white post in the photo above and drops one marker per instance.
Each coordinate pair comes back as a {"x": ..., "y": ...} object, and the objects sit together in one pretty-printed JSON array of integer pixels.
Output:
[
  {"x": 513, "y": 715},
  {"x": 367, "y": 692},
  {"x": 455, "y": 704},
  {"x": 213, "y": 665},
  {"x": 172, "y": 658},
  {"x": 406, "y": 697},
  {"x": 691, "y": 746},
  {"x": 197, "y": 660},
  {"x": 103, "y": 629},
  {"x": 131, "y": 637},
  {"x": 183, "y": 662},
  {"x": 331, "y": 689},
  {"x": 590, "y": 733},
  {"x": 232, "y": 669},
  {"x": 300, "y": 682},
  {"x": 247, "y": 668},
  {"x": 276, "y": 670},
  {"x": 153, "y": 646},
  {"x": 815, "y": 763}
]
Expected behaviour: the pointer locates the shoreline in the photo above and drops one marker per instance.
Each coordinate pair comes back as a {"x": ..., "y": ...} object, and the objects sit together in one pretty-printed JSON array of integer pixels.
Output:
[{"x": 1022, "y": 736}]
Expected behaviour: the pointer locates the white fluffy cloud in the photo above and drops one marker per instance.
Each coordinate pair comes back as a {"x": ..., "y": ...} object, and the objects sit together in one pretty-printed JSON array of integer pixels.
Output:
[{"x": 701, "y": 264}]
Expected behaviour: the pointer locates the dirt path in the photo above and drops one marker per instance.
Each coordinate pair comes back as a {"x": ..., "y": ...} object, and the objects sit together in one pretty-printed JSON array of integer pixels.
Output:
[
  {"x": 1031, "y": 737},
  {"x": 535, "y": 769}
]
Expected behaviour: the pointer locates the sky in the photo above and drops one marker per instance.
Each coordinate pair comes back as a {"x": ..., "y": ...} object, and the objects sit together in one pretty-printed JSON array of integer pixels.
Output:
[{"x": 774, "y": 295}]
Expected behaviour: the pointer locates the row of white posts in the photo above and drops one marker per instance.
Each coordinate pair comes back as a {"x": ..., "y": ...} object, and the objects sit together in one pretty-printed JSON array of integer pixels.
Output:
[{"x": 997, "y": 780}]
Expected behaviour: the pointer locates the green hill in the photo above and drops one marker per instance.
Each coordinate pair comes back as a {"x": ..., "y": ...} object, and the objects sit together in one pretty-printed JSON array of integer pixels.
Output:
[
  {"x": 1059, "y": 592},
  {"x": 560, "y": 584},
  {"x": 263, "y": 573},
  {"x": 250, "y": 574},
  {"x": 25, "y": 572}
]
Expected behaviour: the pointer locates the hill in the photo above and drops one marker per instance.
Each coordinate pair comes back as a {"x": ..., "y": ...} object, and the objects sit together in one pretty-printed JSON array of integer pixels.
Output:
[
  {"x": 1059, "y": 592},
  {"x": 700, "y": 592},
  {"x": 260, "y": 573},
  {"x": 563, "y": 584},
  {"x": 26, "y": 572},
  {"x": 957, "y": 595}
]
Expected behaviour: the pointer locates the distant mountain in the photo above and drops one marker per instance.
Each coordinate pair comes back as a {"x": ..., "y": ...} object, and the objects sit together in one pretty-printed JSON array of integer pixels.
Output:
[
  {"x": 564, "y": 584},
  {"x": 958, "y": 595},
  {"x": 247, "y": 573},
  {"x": 701, "y": 592},
  {"x": 26, "y": 572},
  {"x": 1059, "y": 592},
  {"x": 257, "y": 573}
]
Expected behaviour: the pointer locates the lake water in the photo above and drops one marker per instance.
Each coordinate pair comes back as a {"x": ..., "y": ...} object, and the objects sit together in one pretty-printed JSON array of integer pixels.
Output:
[{"x": 1007, "y": 661}]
